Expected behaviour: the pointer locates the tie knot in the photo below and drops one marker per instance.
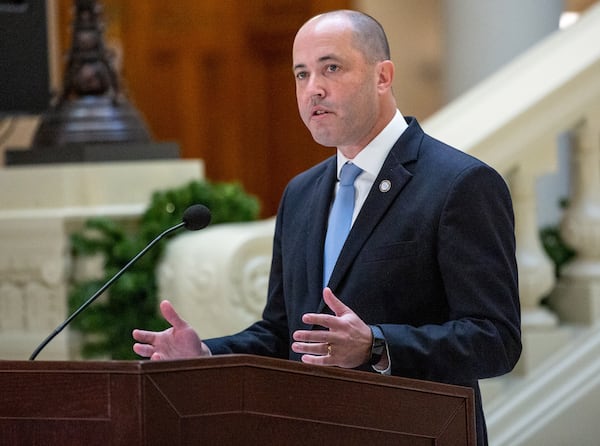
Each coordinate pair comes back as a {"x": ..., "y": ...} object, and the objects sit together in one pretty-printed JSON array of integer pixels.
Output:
[{"x": 349, "y": 173}]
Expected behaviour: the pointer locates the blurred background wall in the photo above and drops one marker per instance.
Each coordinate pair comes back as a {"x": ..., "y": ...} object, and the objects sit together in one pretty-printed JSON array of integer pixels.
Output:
[{"x": 215, "y": 75}]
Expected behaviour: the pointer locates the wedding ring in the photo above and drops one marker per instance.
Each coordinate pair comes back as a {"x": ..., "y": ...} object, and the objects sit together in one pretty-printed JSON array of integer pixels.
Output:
[{"x": 329, "y": 349}]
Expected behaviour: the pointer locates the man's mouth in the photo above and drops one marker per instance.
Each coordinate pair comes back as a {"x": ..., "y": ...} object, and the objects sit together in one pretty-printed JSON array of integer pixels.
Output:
[{"x": 320, "y": 112}]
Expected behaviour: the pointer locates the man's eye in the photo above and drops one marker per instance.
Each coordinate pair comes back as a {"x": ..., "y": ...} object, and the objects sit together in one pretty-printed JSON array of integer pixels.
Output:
[
  {"x": 332, "y": 68},
  {"x": 301, "y": 75}
]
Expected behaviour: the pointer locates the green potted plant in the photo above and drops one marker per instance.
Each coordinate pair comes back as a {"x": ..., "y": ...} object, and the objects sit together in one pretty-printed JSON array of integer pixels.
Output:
[{"x": 132, "y": 301}]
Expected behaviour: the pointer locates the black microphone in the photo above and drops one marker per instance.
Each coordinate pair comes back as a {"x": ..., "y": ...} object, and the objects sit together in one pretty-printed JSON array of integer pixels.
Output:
[{"x": 195, "y": 217}]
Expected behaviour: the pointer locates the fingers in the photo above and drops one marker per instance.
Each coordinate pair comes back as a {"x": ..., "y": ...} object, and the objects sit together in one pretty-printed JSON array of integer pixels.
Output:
[
  {"x": 312, "y": 336},
  {"x": 171, "y": 316},
  {"x": 179, "y": 341},
  {"x": 318, "y": 360},
  {"x": 144, "y": 346},
  {"x": 312, "y": 348},
  {"x": 314, "y": 353},
  {"x": 345, "y": 342},
  {"x": 336, "y": 305},
  {"x": 143, "y": 350},
  {"x": 146, "y": 337},
  {"x": 313, "y": 345},
  {"x": 324, "y": 320}
]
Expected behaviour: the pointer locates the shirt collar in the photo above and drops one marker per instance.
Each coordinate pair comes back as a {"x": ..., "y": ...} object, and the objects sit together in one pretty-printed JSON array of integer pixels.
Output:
[{"x": 371, "y": 158}]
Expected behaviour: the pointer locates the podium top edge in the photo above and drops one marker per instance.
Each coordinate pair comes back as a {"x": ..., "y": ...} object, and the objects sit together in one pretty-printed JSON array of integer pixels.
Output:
[{"x": 147, "y": 367}]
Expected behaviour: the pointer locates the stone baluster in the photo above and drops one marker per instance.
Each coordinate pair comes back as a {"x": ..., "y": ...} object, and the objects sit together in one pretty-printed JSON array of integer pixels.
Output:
[
  {"x": 541, "y": 332},
  {"x": 536, "y": 271},
  {"x": 576, "y": 298}
]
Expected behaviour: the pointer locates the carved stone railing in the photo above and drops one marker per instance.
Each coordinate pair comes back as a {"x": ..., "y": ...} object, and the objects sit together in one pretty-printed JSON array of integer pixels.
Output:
[
  {"x": 577, "y": 297},
  {"x": 217, "y": 278},
  {"x": 514, "y": 121},
  {"x": 40, "y": 206}
]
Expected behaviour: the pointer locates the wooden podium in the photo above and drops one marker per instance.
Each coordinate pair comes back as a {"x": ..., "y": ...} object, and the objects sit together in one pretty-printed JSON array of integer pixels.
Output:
[{"x": 225, "y": 400}]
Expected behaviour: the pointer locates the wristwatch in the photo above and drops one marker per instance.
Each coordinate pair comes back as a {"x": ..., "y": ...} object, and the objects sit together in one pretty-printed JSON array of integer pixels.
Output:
[{"x": 378, "y": 345}]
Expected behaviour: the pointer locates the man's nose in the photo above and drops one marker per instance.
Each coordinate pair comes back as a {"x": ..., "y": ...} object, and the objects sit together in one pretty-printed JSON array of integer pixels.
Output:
[{"x": 315, "y": 87}]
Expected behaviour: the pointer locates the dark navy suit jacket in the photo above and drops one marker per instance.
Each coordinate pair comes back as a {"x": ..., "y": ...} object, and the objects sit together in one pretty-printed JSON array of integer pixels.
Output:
[{"x": 431, "y": 261}]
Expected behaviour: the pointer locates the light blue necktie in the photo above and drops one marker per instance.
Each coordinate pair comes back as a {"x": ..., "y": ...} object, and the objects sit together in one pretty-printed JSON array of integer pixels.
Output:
[{"x": 340, "y": 218}]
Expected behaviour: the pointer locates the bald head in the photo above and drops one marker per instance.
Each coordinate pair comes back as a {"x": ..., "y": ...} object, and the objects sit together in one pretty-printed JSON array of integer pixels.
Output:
[
  {"x": 343, "y": 79},
  {"x": 367, "y": 33}
]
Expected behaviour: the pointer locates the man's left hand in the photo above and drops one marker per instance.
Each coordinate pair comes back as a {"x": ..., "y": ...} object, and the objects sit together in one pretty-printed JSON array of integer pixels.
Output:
[{"x": 346, "y": 342}]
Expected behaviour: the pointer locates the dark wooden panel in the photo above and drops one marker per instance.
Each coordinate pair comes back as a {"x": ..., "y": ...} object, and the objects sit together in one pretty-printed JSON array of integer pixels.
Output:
[
  {"x": 267, "y": 430},
  {"x": 24, "y": 70},
  {"x": 235, "y": 399},
  {"x": 19, "y": 397}
]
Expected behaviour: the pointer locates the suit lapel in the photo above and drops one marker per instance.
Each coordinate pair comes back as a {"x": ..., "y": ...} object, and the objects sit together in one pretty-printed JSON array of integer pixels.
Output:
[
  {"x": 385, "y": 191},
  {"x": 379, "y": 200}
]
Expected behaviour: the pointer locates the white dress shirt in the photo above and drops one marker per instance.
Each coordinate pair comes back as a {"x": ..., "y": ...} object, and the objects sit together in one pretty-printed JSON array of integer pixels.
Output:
[{"x": 371, "y": 158}]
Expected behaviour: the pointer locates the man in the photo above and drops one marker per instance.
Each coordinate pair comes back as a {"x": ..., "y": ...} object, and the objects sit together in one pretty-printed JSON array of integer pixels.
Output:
[{"x": 425, "y": 285}]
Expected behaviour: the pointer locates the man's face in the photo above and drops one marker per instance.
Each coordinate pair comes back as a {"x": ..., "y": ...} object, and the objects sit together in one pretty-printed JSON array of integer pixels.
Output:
[{"x": 336, "y": 88}]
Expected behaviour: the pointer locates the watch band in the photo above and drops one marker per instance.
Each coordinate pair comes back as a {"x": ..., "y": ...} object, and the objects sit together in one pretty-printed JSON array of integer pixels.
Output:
[{"x": 378, "y": 344}]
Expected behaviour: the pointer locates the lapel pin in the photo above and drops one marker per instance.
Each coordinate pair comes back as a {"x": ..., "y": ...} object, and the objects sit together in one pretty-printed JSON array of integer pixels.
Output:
[{"x": 385, "y": 185}]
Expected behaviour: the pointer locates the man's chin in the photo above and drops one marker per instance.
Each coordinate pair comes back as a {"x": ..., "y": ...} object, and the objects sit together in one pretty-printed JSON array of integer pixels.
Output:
[{"x": 324, "y": 140}]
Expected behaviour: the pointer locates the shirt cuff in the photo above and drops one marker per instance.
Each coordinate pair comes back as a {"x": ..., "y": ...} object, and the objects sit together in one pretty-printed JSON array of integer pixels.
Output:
[{"x": 388, "y": 370}]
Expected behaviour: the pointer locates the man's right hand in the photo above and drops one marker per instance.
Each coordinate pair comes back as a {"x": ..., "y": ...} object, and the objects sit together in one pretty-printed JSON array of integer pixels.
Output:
[{"x": 180, "y": 341}]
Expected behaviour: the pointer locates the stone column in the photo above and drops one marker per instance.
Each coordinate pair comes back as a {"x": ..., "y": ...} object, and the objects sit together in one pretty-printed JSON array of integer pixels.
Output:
[
  {"x": 577, "y": 296},
  {"x": 536, "y": 271},
  {"x": 541, "y": 331}
]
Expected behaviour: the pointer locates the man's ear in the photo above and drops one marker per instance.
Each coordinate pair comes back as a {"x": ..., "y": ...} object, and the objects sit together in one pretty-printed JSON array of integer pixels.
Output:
[{"x": 385, "y": 72}]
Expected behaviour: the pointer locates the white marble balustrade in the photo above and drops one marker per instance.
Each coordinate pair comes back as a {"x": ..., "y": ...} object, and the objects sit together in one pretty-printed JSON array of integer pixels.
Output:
[{"x": 40, "y": 206}]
